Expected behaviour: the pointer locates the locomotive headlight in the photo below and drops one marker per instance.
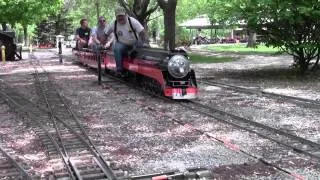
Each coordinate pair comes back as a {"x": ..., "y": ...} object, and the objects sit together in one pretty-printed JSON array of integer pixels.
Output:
[{"x": 178, "y": 66}]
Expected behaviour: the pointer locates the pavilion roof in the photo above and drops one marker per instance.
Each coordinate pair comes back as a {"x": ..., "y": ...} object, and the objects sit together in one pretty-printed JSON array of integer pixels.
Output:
[{"x": 203, "y": 22}]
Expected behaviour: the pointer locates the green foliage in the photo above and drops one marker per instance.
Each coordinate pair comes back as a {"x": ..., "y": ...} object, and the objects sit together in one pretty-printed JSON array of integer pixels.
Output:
[
  {"x": 54, "y": 25},
  {"x": 216, "y": 9},
  {"x": 140, "y": 9},
  {"x": 290, "y": 25},
  {"x": 27, "y": 12},
  {"x": 89, "y": 9}
]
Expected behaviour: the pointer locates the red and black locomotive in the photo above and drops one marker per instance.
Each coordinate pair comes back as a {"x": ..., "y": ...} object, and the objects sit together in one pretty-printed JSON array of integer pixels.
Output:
[{"x": 166, "y": 72}]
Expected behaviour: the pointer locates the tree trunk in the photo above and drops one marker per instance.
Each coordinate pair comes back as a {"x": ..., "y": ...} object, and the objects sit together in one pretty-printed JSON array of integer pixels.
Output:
[
  {"x": 98, "y": 8},
  {"x": 141, "y": 10},
  {"x": 169, "y": 11},
  {"x": 315, "y": 66},
  {"x": 172, "y": 23},
  {"x": 252, "y": 39},
  {"x": 25, "y": 35},
  {"x": 166, "y": 31}
]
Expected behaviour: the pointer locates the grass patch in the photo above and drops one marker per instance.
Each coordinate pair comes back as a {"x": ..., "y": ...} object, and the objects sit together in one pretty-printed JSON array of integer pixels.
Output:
[
  {"x": 242, "y": 49},
  {"x": 197, "y": 58}
]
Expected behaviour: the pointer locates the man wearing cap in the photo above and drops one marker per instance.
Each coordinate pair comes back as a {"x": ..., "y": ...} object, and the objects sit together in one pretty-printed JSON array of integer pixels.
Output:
[
  {"x": 98, "y": 37},
  {"x": 128, "y": 32}
]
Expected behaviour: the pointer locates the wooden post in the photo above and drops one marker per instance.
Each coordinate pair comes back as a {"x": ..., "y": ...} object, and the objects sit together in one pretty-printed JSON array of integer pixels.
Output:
[
  {"x": 60, "y": 51},
  {"x": 30, "y": 48},
  {"x": 3, "y": 54}
]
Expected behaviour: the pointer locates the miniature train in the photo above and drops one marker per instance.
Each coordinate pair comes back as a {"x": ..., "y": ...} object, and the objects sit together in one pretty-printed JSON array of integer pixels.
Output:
[{"x": 165, "y": 72}]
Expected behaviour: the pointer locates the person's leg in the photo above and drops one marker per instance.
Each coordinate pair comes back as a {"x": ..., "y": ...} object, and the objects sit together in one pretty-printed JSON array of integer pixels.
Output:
[
  {"x": 80, "y": 45},
  {"x": 119, "y": 50}
]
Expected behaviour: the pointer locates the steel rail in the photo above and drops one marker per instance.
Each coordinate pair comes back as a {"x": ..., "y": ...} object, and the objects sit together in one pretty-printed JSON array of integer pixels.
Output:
[
  {"x": 264, "y": 93},
  {"x": 64, "y": 153},
  {"x": 22, "y": 171},
  {"x": 310, "y": 148},
  {"x": 100, "y": 161},
  {"x": 34, "y": 116},
  {"x": 261, "y": 159}
]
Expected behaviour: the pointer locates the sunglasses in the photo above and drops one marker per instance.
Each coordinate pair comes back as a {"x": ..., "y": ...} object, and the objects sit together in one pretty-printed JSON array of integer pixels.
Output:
[{"x": 102, "y": 20}]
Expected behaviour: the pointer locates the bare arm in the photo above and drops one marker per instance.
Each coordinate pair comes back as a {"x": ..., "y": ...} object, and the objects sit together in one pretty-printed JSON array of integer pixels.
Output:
[{"x": 95, "y": 39}]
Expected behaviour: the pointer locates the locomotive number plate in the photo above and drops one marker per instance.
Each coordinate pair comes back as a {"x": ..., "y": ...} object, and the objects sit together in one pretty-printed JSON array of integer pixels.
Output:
[{"x": 177, "y": 93}]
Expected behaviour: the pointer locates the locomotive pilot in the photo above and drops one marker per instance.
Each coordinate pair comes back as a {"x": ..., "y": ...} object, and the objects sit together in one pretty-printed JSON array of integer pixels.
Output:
[{"x": 128, "y": 33}]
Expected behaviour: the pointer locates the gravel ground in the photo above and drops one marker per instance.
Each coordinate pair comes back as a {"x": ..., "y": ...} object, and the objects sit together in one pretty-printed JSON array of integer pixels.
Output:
[
  {"x": 120, "y": 121},
  {"x": 17, "y": 136}
]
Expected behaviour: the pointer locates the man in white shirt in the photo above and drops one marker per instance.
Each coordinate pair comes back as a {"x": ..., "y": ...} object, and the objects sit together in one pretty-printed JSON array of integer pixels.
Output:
[{"x": 128, "y": 32}]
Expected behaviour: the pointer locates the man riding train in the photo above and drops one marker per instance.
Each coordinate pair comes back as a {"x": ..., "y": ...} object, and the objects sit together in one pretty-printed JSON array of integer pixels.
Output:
[
  {"x": 98, "y": 37},
  {"x": 83, "y": 34},
  {"x": 127, "y": 31}
]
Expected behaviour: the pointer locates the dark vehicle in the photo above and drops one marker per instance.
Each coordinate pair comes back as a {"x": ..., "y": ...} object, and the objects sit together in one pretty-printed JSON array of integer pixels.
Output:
[
  {"x": 201, "y": 40},
  {"x": 12, "y": 50}
]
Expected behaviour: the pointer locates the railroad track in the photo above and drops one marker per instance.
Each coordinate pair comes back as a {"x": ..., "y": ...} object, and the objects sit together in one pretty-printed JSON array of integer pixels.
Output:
[
  {"x": 70, "y": 159},
  {"x": 68, "y": 146},
  {"x": 79, "y": 153},
  {"x": 297, "y": 100},
  {"x": 9, "y": 167},
  {"x": 296, "y": 143},
  {"x": 60, "y": 132},
  {"x": 38, "y": 119}
]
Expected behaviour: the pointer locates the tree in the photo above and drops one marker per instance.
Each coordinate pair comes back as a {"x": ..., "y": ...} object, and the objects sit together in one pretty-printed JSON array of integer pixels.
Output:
[
  {"x": 54, "y": 25},
  {"x": 169, "y": 12},
  {"x": 140, "y": 9},
  {"x": 27, "y": 12},
  {"x": 290, "y": 25},
  {"x": 89, "y": 9}
]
